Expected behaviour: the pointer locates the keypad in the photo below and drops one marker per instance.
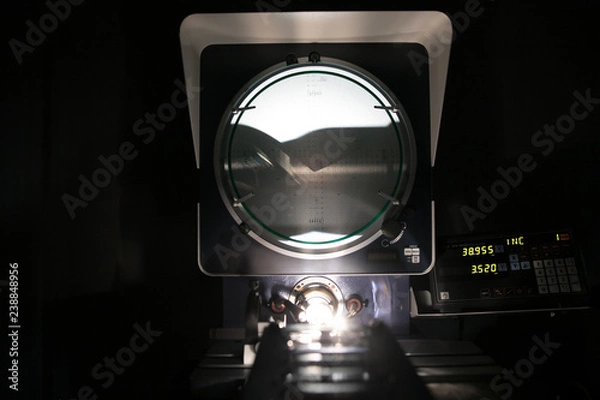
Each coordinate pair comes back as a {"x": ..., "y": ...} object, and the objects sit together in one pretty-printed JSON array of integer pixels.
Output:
[
  {"x": 542, "y": 266},
  {"x": 558, "y": 275}
]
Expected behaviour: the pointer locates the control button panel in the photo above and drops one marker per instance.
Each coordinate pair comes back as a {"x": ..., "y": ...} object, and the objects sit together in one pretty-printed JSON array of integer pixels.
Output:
[
  {"x": 554, "y": 277},
  {"x": 506, "y": 269}
]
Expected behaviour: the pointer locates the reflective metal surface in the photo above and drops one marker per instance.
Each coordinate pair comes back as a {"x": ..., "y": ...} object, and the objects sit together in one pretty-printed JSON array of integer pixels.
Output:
[
  {"x": 269, "y": 205},
  {"x": 320, "y": 298},
  {"x": 429, "y": 29},
  {"x": 387, "y": 298}
]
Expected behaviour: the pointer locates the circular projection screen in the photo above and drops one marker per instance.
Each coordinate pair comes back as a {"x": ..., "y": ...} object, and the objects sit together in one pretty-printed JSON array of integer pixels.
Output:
[{"x": 311, "y": 158}]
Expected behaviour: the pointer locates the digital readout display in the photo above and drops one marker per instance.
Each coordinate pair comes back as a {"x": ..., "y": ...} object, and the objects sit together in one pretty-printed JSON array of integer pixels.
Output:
[
  {"x": 477, "y": 251},
  {"x": 484, "y": 268},
  {"x": 496, "y": 256},
  {"x": 507, "y": 267},
  {"x": 490, "y": 251}
]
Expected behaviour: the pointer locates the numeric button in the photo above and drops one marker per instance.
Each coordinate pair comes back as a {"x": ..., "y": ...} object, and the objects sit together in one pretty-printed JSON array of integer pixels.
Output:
[
  {"x": 562, "y": 279},
  {"x": 539, "y": 272},
  {"x": 542, "y": 281},
  {"x": 559, "y": 262}
]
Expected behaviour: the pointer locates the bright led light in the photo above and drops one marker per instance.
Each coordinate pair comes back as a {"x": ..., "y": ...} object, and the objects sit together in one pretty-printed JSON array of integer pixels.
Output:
[
  {"x": 317, "y": 237},
  {"x": 339, "y": 324},
  {"x": 302, "y": 316},
  {"x": 319, "y": 314},
  {"x": 319, "y": 240},
  {"x": 321, "y": 302}
]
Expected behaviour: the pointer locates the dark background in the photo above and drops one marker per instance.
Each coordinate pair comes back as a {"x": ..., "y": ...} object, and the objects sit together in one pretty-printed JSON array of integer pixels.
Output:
[{"x": 130, "y": 255}]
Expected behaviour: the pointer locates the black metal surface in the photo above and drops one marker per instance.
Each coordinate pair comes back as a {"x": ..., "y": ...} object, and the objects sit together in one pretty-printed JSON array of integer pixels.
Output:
[
  {"x": 270, "y": 367},
  {"x": 254, "y": 304},
  {"x": 395, "y": 369}
]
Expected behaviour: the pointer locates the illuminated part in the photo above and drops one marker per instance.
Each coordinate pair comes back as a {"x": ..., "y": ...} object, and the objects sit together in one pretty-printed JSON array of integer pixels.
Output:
[
  {"x": 322, "y": 302},
  {"x": 316, "y": 236},
  {"x": 478, "y": 251},
  {"x": 516, "y": 241},
  {"x": 563, "y": 236},
  {"x": 244, "y": 43},
  {"x": 327, "y": 152},
  {"x": 310, "y": 105},
  {"x": 302, "y": 316},
  {"x": 484, "y": 269},
  {"x": 376, "y": 291},
  {"x": 318, "y": 240},
  {"x": 318, "y": 313}
]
